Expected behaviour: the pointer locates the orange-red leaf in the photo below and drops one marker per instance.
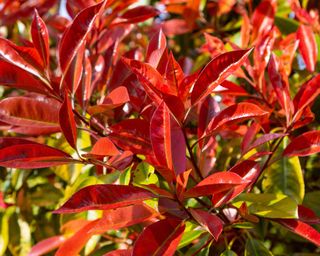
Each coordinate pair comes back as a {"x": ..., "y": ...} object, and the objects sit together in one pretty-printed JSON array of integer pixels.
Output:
[{"x": 216, "y": 71}]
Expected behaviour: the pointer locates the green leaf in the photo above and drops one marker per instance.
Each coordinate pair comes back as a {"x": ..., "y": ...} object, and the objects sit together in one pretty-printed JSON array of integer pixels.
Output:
[
  {"x": 255, "y": 247},
  {"x": 228, "y": 252},
  {"x": 190, "y": 234},
  {"x": 4, "y": 228},
  {"x": 285, "y": 177},
  {"x": 286, "y": 25},
  {"x": 144, "y": 174},
  {"x": 125, "y": 176},
  {"x": 270, "y": 205},
  {"x": 311, "y": 200}
]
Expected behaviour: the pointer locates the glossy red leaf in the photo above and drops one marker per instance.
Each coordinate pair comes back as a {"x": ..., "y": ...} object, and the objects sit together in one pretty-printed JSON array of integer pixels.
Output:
[
  {"x": 19, "y": 153},
  {"x": 306, "y": 95},
  {"x": 71, "y": 42},
  {"x": 182, "y": 182},
  {"x": 302, "y": 229},
  {"x": 40, "y": 37},
  {"x": 230, "y": 88},
  {"x": 280, "y": 84},
  {"x": 72, "y": 76},
  {"x": 137, "y": 14},
  {"x": 25, "y": 80},
  {"x": 216, "y": 71},
  {"x": 156, "y": 48},
  {"x": 307, "y": 46},
  {"x": 116, "y": 98},
  {"x": 104, "y": 147},
  {"x": 67, "y": 121},
  {"x": 124, "y": 217},
  {"x": 39, "y": 113},
  {"x": 160, "y": 238},
  {"x": 120, "y": 252},
  {"x": 9, "y": 54},
  {"x": 248, "y": 170},
  {"x": 46, "y": 245},
  {"x": 168, "y": 141},
  {"x": 133, "y": 135},
  {"x": 74, "y": 244},
  {"x": 235, "y": 113},
  {"x": 263, "y": 18},
  {"x": 215, "y": 183},
  {"x": 104, "y": 197},
  {"x": 304, "y": 145},
  {"x": 212, "y": 223}
]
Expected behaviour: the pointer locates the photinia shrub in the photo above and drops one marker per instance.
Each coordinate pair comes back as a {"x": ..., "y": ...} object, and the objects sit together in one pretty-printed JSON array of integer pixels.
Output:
[{"x": 159, "y": 127}]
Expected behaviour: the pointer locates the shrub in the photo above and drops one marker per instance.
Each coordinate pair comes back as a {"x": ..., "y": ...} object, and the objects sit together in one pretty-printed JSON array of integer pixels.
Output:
[{"x": 164, "y": 128}]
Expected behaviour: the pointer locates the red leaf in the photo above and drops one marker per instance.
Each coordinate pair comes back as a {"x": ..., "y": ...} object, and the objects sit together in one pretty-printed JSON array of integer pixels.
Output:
[
  {"x": 9, "y": 54},
  {"x": 116, "y": 98},
  {"x": 67, "y": 121},
  {"x": 301, "y": 229},
  {"x": 307, "y": 46},
  {"x": 137, "y": 14},
  {"x": 19, "y": 153},
  {"x": 235, "y": 113},
  {"x": 230, "y": 88},
  {"x": 160, "y": 238},
  {"x": 215, "y": 183},
  {"x": 248, "y": 171},
  {"x": 304, "y": 145},
  {"x": 182, "y": 182},
  {"x": 71, "y": 42},
  {"x": 40, "y": 114},
  {"x": 263, "y": 139},
  {"x": 156, "y": 48},
  {"x": 263, "y": 18},
  {"x": 40, "y": 37},
  {"x": 74, "y": 244},
  {"x": 46, "y": 245},
  {"x": 173, "y": 74},
  {"x": 104, "y": 147},
  {"x": 120, "y": 252},
  {"x": 174, "y": 27},
  {"x": 104, "y": 197},
  {"x": 212, "y": 223},
  {"x": 280, "y": 84},
  {"x": 25, "y": 80},
  {"x": 124, "y": 217},
  {"x": 307, "y": 215},
  {"x": 216, "y": 71},
  {"x": 306, "y": 95},
  {"x": 133, "y": 135},
  {"x": 168, "y": 141}
]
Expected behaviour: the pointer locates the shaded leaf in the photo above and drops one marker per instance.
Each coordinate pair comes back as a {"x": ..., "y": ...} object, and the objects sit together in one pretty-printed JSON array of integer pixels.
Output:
[
  {"x": 160, "y": 238},
  {"x": 133, "y": 135},
  {"x": 255, "y": 247},
  {"x": 104, "y": 197}
]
